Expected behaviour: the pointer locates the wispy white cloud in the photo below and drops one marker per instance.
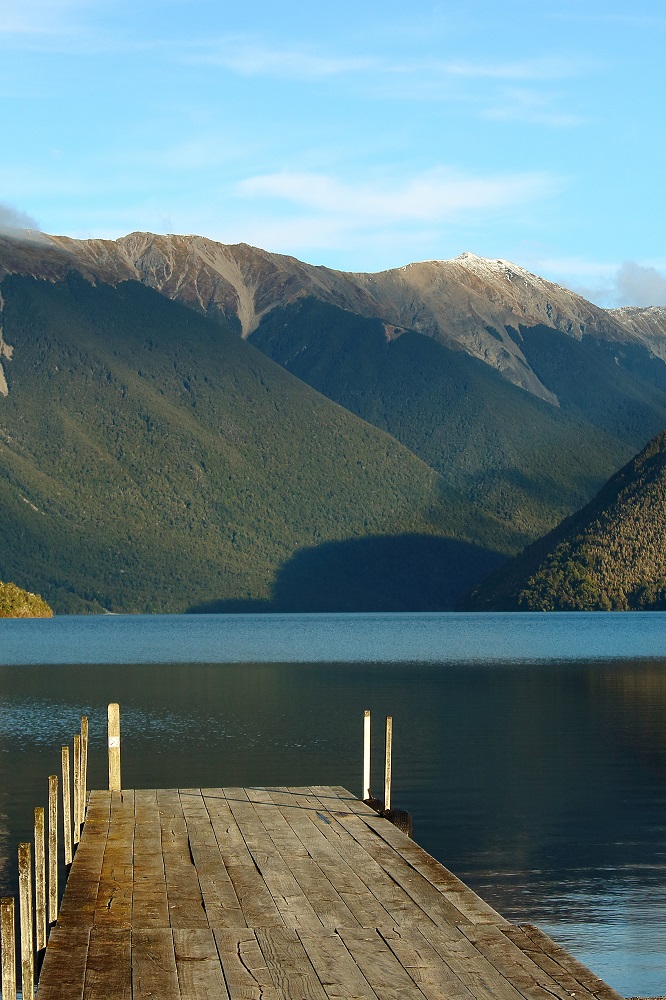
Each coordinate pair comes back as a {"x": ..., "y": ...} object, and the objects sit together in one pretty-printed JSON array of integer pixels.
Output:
[
  {"x": 41, "y": 19},
  {"x": 252, "y": 58},
  {"x": 530, "y": 107},
  {"x": 537, "y": 68},
  {"x": 434, "y": 194},
  {"x": 636, "y": 20}
]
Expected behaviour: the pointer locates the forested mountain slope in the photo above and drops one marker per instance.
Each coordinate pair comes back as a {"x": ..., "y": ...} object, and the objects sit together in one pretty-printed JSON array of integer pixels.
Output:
[
  {"x": 522, "y": 396},
  {"x": 611, "y": 555},
  {"x": 151, "y": 460}
]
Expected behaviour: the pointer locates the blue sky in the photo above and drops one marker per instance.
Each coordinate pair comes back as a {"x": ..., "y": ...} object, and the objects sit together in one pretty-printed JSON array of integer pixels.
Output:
[{"x": 358, "y": 135}]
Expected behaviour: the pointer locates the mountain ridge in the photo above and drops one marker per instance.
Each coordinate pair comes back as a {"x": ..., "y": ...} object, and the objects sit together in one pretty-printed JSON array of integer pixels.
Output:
[
  {"x": 511, "y": 455},
  {"x": 468, "y": 302}
]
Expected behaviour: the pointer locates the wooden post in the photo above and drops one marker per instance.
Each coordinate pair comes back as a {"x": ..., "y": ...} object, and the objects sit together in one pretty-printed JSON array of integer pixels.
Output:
[
  {"x": 84, "y": 767},
  {"x": 25, "y": 912},
  {"x": 8, "y": 938},
  {"x": 366, "y": 754},
  {"x": 40, "y": 880},
  {"x": 114, "y": 748},
  {"x": 387, "y": 769},
  {"x": 77, "y": 788},
  {"x": 53, "y": 848},
  {"x": 66, "y": 807}
]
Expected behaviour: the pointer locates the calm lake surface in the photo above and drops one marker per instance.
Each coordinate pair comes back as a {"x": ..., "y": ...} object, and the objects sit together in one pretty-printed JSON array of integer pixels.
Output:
[{"x": 530, "y": 749}]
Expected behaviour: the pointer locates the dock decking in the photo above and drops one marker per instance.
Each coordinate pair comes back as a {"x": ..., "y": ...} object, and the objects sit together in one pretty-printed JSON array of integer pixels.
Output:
[{"x": 281, "y": 894}]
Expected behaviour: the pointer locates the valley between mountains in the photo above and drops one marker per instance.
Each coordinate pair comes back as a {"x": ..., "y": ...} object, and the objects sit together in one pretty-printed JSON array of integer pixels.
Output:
[{"x": 186, "y": 425}]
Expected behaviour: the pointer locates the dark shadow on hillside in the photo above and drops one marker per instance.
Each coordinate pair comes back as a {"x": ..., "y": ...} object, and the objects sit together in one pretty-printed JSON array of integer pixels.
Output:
[{"x": 383, "y": 573}]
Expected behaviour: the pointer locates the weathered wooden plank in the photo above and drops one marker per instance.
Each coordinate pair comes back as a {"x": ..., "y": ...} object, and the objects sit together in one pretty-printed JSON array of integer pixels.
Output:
[
  {"x": 154, "y": 972},
  {"x": 114, "y": 898},
  {"x": 184, "y": 899},
  {"x": 379, "y": 965},
  {"x": 336, "y": 969},
  {"x": 326, "y": 902},
  {"x": 420, "y": 890},
  {"x": 199, "y": 971},
  {"x": 469, "y": 965},
  {"x": 580, "y": 972},
  {"x": 323, "y": 840},
  {"x": 233, "y": 849},
  {"x": 470, "y": 905},
  {"x": 245, "y": 971},
  {"x": 292, "y": 903},
  {"x": 514, "y": 965},
  {"x": 404, "y": 892},
  {"x": 63, "y": 973},
  {"x": 221, "y": 903},
  {"x": 108, "y": 966},
  {"x": 150, "y": 906},
  {"x": 82, "y": 889},
  {"x": 290, "y": 968},
  {"x": 433, "y": 976},
  {"x": 518, "y": 936}
]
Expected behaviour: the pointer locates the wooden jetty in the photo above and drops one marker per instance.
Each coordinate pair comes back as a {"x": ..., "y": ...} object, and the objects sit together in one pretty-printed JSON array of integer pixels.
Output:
[
  {"x": 281, "y": 894},
  {"x": 256, "y": 894}
]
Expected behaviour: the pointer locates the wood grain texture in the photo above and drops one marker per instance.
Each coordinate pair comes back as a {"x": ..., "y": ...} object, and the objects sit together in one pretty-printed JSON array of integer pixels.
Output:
[
  {"x": 200, "y": 975},
  {"x": 154, "y": 972},
  {"x": 109, "y": 965}
]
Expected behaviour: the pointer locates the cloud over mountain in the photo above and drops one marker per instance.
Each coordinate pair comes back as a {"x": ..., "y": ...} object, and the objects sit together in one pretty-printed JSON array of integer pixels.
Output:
[
  {"x": 637, "y": 285},
  {"x": 13, "y": 222}
]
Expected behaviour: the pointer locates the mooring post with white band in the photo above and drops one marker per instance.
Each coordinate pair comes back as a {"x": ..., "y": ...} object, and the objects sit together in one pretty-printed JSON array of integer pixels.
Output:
[
  {"x": 366, "y": 755},
  {"x": 114, "y": 748},
  {"x": 387, "y": 768}
]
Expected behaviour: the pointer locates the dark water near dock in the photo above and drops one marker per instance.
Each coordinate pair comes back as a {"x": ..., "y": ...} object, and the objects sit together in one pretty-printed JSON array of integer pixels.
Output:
[{"x": 531, "y": 750}]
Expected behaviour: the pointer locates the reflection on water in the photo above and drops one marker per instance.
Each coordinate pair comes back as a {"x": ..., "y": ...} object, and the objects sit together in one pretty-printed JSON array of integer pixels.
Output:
[{"x": 543, "y": 786}]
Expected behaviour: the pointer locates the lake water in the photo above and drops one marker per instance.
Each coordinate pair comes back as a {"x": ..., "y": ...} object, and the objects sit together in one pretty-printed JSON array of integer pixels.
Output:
[{"x": 530, "y": 749}]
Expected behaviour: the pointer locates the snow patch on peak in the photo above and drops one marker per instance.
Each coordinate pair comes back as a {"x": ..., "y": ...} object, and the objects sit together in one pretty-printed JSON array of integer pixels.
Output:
[{"x": 484, "y": 265}]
